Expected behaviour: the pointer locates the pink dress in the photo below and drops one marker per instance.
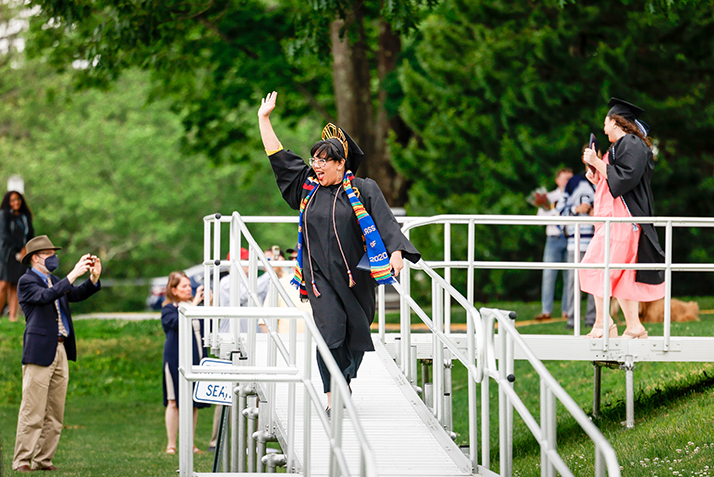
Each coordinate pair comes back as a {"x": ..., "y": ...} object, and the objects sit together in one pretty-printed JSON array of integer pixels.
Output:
[{"x": 624, "y": 238}]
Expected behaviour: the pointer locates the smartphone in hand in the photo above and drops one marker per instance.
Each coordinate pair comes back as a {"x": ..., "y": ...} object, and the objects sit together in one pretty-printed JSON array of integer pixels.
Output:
[{"x": 593, "y": 144}]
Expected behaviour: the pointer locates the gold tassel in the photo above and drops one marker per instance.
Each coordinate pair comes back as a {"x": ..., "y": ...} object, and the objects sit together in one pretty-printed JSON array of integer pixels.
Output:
[{"x": 352, "y": 280}]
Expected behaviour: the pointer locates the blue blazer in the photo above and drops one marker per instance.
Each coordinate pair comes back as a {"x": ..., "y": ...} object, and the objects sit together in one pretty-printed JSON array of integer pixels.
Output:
[{"x": 37, "y": 300}]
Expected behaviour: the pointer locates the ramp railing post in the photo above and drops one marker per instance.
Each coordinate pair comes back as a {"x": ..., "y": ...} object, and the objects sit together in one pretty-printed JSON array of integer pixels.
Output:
[
  {"x": 206, "y": 252},
  {"x": 307, "y": 410},
  {"x": 405, "y": 315},
  {"x": 548, "y": 428},
  {"x": 447, "y": 276},
  {"x": 576, "y": 284},
  {"x": 599, "y": 463},
  {"x": 243, "y": 392},
  {"x": 509, "y": 405},
  {"x": 185, "y": 400},
  {"x": 381, "y": 315},
  {"x": 213, "y": 324},
  {"x": 505, "y": 423},
  {"x": 488, "y": 331},
  {"x": 438, "y": 352},
  {"x": 264, "y": 434},
  {"x": 607, "y": 319},
  {"x": 629, "y": 366},
  {"x": 448, "y": 409},
  {"x": 427, "y": 386},
  {"x": 597, "y": 382},
  {"x": 473, "y": 409},
  {"x": 251, "y": 414},
  {"x": 668, "y": 285},
  {"x": 414, "y": 379}
]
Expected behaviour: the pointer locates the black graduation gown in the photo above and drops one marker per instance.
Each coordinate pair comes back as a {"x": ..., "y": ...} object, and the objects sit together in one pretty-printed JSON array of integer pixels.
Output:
[
  {"x": 628, "y": 175},
  {"x": 342, "y": 314},
  {"x": 15, "y": 232}
]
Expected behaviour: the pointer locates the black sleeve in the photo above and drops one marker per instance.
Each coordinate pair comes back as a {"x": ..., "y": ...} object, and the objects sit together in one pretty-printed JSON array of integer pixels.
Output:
[
  {"x": 387, "y": 225},
  {"x": 84, "y": 291},
  {"x": 5, "y": 235},
  {"x": 290, "y": 173},
  {"x": 31, "y": 233},
  {"x": 627, "y": 167},
  {"x": 169, "y": 317}
]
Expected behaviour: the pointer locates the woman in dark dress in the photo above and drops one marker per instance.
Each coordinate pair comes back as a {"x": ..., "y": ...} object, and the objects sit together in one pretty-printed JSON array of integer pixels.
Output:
[
  {"x": 348, "y": 241},
  {"x": 178, "y": 290},
  {"x": 15, "y": 231}
]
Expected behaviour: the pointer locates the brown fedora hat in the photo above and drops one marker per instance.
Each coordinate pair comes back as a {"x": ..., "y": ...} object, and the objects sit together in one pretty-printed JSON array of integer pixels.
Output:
[{"x": 37, "y": 244}]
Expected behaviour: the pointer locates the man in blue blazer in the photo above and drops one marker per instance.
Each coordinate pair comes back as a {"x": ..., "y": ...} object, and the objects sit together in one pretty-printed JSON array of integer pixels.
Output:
[{"x": 48, "y": 344}]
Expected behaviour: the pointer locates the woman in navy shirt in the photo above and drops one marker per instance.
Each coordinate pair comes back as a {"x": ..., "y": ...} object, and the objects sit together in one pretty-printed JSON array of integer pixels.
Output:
[{"x": 178, "y": 290}]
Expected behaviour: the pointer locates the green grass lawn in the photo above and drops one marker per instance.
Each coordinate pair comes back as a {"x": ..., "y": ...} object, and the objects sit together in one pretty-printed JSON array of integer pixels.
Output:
[
  {"x": 674, "y": 409},
  {"x": 114, "y": 417},
  {"x": 114, "y": 421}
]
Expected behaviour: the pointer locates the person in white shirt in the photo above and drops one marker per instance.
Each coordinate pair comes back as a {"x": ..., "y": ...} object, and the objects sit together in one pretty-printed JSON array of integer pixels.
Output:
[{"x": 555, "y": 249}]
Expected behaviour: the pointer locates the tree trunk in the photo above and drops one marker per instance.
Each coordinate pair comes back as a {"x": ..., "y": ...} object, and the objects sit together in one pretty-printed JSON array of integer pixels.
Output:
[
  {"x": 353, "y": 97},
  {"x": 390, "y": 45}
]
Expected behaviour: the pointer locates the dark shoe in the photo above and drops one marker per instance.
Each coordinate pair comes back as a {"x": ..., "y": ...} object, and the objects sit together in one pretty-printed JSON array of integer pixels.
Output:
[
  {"x": 24, "y": 468},
  {"x": 49, "y": 467},
  {"x": 569, "y": 326},
  {"x": 212, "y": 449},
  {"x": 542, "y": 317},
  {"x": 327, "y": 411}
]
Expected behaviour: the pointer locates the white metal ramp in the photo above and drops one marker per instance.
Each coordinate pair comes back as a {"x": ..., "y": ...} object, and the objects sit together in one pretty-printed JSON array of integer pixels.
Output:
[
  {"x": 385, "y": 428},
  {"x": 406, "y": 438}
]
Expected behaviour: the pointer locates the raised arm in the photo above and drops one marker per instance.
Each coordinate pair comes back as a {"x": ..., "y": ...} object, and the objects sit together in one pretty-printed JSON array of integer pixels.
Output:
[{"x": 270, "y": 140}]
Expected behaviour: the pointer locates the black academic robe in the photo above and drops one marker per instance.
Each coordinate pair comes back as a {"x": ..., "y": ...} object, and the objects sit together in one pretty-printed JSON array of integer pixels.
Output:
[
  {"x": 628, "y": 175},
  {"x": 342, "y": 313}
]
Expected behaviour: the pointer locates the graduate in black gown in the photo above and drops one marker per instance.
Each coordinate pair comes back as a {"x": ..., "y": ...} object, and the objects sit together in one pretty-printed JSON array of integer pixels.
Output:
[
  {"x": 333, "y": 239},
  {"x": 623, "y": 190}
]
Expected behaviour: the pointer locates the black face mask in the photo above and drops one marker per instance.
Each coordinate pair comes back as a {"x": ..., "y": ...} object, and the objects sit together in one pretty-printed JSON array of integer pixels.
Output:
[{"x": 52, "y": 263}]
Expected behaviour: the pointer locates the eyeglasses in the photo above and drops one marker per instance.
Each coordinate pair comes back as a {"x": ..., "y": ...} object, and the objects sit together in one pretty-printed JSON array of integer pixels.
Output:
[{"x": 318, "y": 161}]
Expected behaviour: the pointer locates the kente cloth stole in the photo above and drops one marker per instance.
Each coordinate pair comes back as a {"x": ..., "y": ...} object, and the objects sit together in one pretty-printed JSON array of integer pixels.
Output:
[{"x": 376, "y": 251}]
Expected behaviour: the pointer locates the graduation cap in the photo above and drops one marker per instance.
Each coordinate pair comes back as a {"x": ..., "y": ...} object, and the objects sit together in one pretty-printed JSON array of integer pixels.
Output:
[
  {"x": 340, "y": 138},
  {"x": 623, "y": 108}
]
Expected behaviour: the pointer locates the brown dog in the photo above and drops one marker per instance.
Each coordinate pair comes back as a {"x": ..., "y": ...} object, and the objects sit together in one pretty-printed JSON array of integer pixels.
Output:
[{"x": 653, "y": 311}]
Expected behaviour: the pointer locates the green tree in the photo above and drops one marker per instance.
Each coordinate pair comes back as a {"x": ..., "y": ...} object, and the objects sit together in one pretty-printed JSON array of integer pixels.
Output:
[
  {"x": 104, "y": 172},
  {"x": 216, "y": 59},
  {"x": 501, "y": 94}
]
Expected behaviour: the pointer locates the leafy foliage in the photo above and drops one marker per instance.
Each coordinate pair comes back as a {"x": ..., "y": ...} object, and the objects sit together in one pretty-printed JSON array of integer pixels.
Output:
[
  {"x": 104, "y": 172},
  {"x": 213, "y": 60},
  {"x": 502, "y": 94}
]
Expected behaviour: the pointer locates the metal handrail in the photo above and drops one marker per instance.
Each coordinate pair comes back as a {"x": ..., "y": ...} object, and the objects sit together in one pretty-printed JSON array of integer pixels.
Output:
[
  {"x": 544, "y": 433},
  {"x": 341, "y": 402},
  {"x": 668, "y": 266},
  {"x": 480, "y": 359}
]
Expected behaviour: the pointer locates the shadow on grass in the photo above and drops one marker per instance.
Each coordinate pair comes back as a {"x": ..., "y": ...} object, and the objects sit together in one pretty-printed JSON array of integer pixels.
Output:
[{"x": 612, "y": 416}]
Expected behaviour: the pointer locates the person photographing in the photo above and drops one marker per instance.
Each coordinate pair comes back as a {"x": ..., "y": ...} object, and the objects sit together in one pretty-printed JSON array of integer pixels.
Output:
[
  {"x": 49, "y": 342},
  {"x": 623, "y": 189}
]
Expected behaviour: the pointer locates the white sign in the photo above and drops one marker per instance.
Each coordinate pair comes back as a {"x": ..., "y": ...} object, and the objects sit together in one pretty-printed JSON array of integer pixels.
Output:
[
  {"x": 213, "y": 392},
  {"x": 16, "y": 183}
]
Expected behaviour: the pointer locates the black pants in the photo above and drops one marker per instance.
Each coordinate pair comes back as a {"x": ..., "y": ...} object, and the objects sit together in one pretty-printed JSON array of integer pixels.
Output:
[{"x": 348, "y": 361}]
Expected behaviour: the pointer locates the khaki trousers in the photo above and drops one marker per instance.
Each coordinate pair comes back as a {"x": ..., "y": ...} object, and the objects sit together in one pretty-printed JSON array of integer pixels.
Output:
[{"x": 39, "y": 424}]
